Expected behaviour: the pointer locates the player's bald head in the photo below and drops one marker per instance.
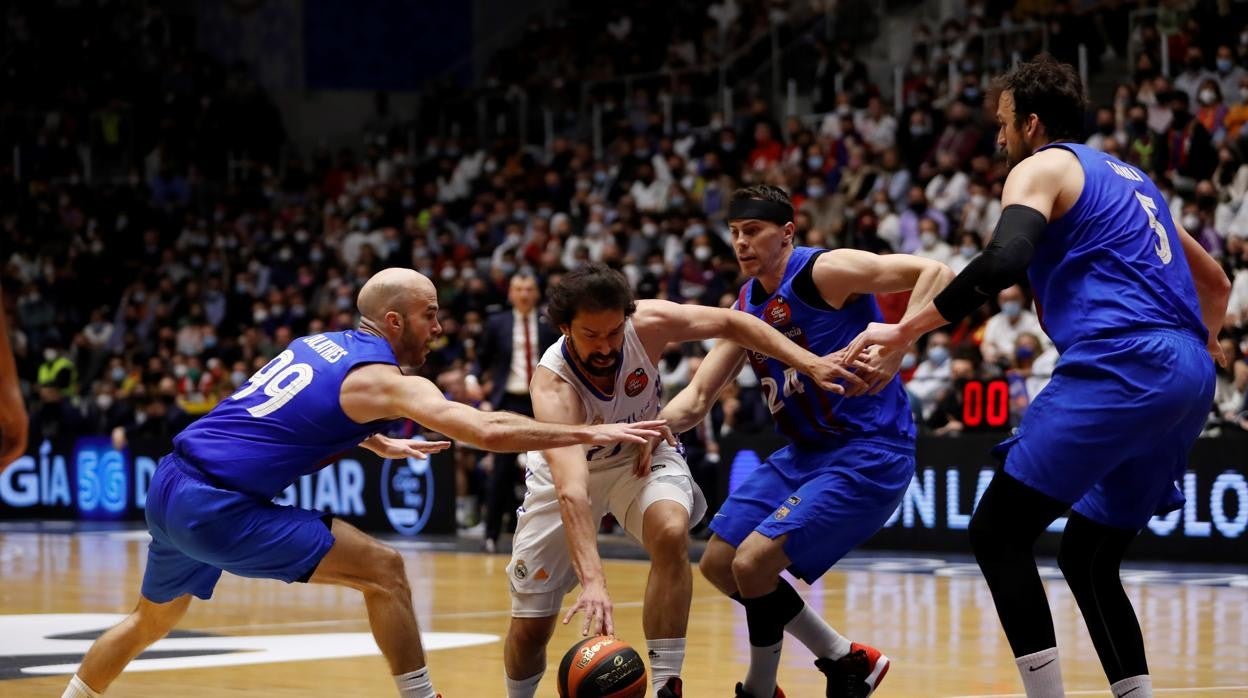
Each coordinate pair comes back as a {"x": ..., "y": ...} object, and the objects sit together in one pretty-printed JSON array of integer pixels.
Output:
[{"x": 396, "y": 289}]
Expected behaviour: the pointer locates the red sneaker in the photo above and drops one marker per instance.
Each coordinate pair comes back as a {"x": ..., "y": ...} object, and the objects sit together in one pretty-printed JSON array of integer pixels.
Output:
[{"x": 857, "y": 674}]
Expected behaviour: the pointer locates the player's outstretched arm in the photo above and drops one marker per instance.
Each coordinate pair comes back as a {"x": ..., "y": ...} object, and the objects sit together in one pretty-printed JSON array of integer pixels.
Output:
[
  {"x": 555, "y": 401},
  {"x": 842, "y": 274},
  {"x": 692, "y": 404},
  {"x": 1212, "y": 288},
  {"x": 659, "y": 323},
  {"x": 380, "y": 391},
  {"x": 13, "y": 420},
  {"x": 1027, "y": 200}
]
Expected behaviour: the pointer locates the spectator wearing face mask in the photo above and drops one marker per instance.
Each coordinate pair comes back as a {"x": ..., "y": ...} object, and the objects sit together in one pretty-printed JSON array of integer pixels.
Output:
[
  {"x": 1237, "y": 113},
  {"x": 949, "y": 189},
  {"x": 931, "y": 246},
  {"x": 1199, "y": 225},
  {"x": 893, "y": 179},
  {"x": 1228, "y": 74},
  {"x": 916, "y": 210},
  {"x": 964, "y": 365},
  {"x": 1194, "y": 74},
  {"x": 1022, "y": 363},
  {"x": 1212, "y": 111},
  {"x": 1106, "y": 127},
  {"x": 1187, "y": 147},
  {"x": 1002, "y": 330},
  {"x": 932, "y": 375},
  {"x": 968, "y": 247}
]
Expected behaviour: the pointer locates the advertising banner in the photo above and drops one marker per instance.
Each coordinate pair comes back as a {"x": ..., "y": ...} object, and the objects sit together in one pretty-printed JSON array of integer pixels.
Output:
[
  {"x": 87, "y": 479},
  {"x": 953, "y": 473}
]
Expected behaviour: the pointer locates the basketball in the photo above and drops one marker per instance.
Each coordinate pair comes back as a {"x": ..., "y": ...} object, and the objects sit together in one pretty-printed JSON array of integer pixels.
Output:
[{"x": 602, "y": 667}]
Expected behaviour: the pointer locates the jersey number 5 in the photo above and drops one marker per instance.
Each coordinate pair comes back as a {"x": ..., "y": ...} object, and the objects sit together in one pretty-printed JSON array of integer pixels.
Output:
[
  {"x": 280, "y": 380},
  {"x": 1163, "y": 242}
]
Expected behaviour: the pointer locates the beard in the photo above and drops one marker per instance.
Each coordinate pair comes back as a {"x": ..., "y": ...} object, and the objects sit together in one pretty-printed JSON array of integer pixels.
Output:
[
  {"x": 1012, "y": 158},
  {"x": 598, "y": 369},
  {"x": 414, "y": 351}
]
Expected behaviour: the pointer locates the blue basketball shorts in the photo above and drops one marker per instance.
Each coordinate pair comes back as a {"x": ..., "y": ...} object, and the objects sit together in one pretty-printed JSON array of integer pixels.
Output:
[
  {"x": 827, "y": 501},
  {"x": 1110, "y": 434},
  {"x": 198, "y": 530}
]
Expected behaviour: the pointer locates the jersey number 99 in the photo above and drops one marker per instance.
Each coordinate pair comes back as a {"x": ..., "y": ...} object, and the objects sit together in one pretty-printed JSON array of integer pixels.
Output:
[{"x": 281, "y": 382}]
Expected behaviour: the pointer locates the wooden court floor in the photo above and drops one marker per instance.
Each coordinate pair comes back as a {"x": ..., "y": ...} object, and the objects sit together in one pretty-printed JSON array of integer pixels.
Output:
[{"x": 935, "y": 619}]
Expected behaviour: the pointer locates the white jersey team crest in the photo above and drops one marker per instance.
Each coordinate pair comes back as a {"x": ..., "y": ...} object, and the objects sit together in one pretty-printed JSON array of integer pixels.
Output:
[{"x": 635, "y": 396}]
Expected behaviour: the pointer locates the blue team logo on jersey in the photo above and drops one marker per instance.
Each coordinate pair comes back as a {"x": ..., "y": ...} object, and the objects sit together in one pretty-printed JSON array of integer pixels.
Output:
[{"x": 407, "y": 494}]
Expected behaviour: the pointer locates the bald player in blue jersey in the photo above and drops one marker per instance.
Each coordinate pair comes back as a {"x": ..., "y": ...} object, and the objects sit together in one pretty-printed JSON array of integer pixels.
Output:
[
  {"x": 210, "y": 508},
  {"x": 1135, "y": 305},
  {"x": 849, "y": 460}
]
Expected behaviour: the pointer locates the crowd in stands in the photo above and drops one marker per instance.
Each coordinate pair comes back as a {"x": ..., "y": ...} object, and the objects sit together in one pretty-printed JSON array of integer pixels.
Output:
[{"x": 142, "y": 299}]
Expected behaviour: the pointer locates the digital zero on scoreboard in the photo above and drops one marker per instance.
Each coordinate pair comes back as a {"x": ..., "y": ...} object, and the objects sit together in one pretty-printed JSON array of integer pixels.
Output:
[{"x": 986, "y": 404}]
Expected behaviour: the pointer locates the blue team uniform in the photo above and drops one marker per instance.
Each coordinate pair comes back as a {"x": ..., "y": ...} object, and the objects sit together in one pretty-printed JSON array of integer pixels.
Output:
[
  {"x": 209, "y": 505},
  {"x": 1111, "y": 432},
  {"x": 849, "y": 461}
]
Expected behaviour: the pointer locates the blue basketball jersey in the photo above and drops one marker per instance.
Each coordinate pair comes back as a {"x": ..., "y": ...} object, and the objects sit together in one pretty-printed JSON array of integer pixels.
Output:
[
  {"x": 286, "y": 421},
  {"x": 1113, "y": 263},
  {"x": 809, "y": 416}
]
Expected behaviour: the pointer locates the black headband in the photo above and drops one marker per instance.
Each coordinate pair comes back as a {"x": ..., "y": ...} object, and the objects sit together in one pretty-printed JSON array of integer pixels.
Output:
[{"x": 759, "y": 209}]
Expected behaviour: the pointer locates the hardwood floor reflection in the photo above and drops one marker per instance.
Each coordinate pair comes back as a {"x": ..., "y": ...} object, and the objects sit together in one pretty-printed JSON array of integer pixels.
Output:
[{"x": 939, "y": 628}]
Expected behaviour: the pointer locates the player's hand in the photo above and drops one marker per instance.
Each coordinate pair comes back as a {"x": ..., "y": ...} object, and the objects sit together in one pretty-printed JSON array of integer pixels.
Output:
[
  {"x": 387, "y": 447},
  {"x": 888, "y": 338},
  {"x": 13, "y": 424},
  {"x": 880, "y": 369},
  {"x": 596, "y": 604},
  {"x": 1215, "y": 350},
  {"x": 635, "y": 433},
  {"x": 835, "y": 373},
  {"x": 646, "y": 456}
]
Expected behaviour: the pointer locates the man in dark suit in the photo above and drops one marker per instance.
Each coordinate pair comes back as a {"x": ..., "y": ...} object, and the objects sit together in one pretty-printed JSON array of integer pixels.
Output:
[{"x": 511, "y": 345}]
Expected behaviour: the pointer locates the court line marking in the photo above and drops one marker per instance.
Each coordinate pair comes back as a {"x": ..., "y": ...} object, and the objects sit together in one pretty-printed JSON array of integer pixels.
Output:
[
  {"x": 448, "y": 616},
  {"x": 1106, "y": 692}
]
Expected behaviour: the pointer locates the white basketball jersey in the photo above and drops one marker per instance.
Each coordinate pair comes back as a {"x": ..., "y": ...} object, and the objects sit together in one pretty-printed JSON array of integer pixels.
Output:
[{"x": 634, "y": 398}]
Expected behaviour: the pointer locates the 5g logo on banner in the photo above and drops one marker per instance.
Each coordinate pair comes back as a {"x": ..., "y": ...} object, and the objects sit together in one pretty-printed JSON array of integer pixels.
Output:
[{"x": 102, "y": 478}]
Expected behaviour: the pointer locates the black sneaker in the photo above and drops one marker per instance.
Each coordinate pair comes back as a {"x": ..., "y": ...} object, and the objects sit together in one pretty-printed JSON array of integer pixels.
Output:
[
  {"x": 857, "y": 674},
  {"x": 671, "y": 689},
  {"x": 742, "y": 693}
]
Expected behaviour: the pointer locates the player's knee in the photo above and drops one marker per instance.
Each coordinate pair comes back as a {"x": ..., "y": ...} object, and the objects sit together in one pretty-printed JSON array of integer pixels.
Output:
[
  {"x": 716, "y": 567},
  {"x": 391, "y": 574},
  {"x": 668, "y": 540},
  {"x": 749, "y": 562},
  {"x": 152, "y": 626},
  {"x": 1074, "y": 564},
  {"x": 985, "y": 535},
  {"x": 530, "y": 634}
]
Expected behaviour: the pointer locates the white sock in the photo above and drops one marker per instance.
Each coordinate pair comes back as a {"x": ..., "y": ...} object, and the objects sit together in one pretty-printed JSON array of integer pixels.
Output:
[
  {"x": 415, "y": 684},
  {"x": 666, "y": 658},
  {"x": 1042, "y": 674},
  {"x": 760, "y": 679},
  {"x": 812, "y": 630},
  {"x": 1134, "y": 687},
  {"x": 523, "y": 688},
  {"x": 78, "y": 688}
]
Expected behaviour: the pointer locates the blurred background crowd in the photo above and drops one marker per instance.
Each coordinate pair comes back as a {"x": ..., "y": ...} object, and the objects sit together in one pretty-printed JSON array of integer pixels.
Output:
[{"x": 162, "y": 235}]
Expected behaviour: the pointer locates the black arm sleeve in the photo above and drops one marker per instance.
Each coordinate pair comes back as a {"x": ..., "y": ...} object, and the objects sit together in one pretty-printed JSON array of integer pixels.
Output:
[{"x": 999, "y": 266}]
